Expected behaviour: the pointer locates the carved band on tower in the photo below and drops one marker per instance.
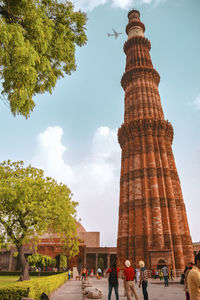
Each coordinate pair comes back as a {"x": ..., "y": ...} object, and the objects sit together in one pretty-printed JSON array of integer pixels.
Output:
[{"x": 152, "y": 224}]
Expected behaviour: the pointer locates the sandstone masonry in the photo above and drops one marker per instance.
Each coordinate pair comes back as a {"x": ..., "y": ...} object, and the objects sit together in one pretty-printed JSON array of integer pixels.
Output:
[{"x": 153, "y": 223}]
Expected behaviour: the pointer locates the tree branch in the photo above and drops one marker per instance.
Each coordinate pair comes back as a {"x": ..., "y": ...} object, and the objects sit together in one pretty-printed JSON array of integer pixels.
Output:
[
  {"x": 9, "y": 230},
  {"x": 10, "y": 16}
]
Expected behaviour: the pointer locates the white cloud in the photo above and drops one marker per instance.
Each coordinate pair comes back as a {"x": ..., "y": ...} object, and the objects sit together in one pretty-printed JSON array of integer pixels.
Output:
[
  {"x": 196, "y": 102},
  {"x": 49, "y": 154},
  {"x": 147, "y": 1},
  {"x": 124, "y": 4},
  {"x": 89, "y": 5},
  {"x": 94, "y": 181}
]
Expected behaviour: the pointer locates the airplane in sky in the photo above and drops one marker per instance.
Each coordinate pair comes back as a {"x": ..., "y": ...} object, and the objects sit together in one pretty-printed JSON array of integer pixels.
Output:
[{"x": 115, "y": 34}]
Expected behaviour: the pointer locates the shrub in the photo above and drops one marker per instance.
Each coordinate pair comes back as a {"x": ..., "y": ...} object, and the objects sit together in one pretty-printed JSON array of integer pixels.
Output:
[
  {"x": 13, "y": 293},
  {"x": 46, "y": 285},
  {"x": 32, "y": 273},
  {"x": 36, "y": 287}
]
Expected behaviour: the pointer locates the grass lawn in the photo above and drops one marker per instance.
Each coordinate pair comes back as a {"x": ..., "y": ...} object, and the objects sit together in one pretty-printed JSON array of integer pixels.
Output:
[{"x": 7, "y": 280}]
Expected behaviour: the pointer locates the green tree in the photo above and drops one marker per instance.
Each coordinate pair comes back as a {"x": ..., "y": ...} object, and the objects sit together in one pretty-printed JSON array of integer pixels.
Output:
[
  {"x": 63, "y": 261},
  {"x": 37, "y": 46},
  {"x": 101, "y": 263},
  {"x": 31, "y": 205},
  {"x": 39, "y": 260}
]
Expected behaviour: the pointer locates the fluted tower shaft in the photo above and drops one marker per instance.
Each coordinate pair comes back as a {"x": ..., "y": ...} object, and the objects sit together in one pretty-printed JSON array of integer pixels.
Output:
[{"x": 152, "y": 224}]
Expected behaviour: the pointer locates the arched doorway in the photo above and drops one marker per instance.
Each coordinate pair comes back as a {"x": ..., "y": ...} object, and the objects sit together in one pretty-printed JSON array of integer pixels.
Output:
[
  {"x": 161, "y": 264},
  {"x": 57, "y": 258}
]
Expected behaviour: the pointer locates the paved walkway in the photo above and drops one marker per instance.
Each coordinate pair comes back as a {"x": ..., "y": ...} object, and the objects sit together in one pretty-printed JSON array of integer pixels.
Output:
[{"x": 72, "y": 290}]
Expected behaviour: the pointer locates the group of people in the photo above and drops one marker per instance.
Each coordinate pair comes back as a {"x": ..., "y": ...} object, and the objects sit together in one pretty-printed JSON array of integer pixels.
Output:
[
  {"x": 163, "y": 273},
  {"x": 159, "y": 274},
  {"x": 89, "y": 272},
  {"x": 129, "y": 278},
  {"x": 191, "y": 278},
  {"x": 140, "y": 275}
]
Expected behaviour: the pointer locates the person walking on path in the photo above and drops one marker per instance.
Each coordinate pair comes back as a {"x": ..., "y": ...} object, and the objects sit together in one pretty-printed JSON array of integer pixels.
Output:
[
  {"x": 137, "y": 275},
  {"x": 171, "y": 274},
  {"x": 99, "y": 273},
  {"x": 153, "y": 273},
  {"x": 129, "y": 275},
  {"x": 69, "y": 274},
  {"x": 113, "y": 281},
  {"x": 193, "y": 279},
  {"x": 165, "y": 275},
  {"x": 143, "y": 279},
  {"x": 83, "y": 273},
  {"x": 160, "y": 274}
]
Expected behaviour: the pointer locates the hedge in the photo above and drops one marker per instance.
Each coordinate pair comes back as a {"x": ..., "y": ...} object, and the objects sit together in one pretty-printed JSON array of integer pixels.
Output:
[
  {"x": 46, "y": 285},
  {"x": 13, "y": 292},
  {"x": 33, "y": 288},
  {"x": 13, "y": 273}
]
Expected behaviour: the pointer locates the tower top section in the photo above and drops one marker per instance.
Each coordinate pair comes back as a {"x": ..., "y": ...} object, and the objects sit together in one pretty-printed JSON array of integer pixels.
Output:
[{"x": 135, "y": 27}]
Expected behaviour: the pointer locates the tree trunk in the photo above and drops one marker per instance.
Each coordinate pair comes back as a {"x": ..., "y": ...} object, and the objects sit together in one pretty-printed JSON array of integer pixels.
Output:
[{"x": 24, "y": 264}]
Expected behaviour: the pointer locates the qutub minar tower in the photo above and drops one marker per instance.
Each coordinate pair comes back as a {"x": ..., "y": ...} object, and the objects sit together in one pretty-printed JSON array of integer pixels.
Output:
[{"x": 153, "y": 224}]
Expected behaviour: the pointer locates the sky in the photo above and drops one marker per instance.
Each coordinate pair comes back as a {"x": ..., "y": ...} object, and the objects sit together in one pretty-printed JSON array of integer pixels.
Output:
[{"x": 72, "y": 133}]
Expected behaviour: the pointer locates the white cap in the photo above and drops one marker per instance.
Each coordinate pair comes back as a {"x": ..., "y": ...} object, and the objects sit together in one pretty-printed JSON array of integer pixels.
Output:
[{"x": 127, "y": 263}]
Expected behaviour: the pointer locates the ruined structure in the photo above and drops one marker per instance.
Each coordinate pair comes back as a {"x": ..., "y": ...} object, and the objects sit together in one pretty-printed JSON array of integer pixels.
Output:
[
  {"x": 153, "y": 224},
  {"x": 90, "y": 253}
]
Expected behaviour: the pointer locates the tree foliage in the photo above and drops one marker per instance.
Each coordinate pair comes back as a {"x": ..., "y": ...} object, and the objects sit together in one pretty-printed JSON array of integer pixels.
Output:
[
  {"x": 63, "y": 261},
  {"x": 39, "y": 260},
  {"x": 101, "y": 263},
  {"x": 37, "y": 46},
  {"x": 31, "y": 204}
]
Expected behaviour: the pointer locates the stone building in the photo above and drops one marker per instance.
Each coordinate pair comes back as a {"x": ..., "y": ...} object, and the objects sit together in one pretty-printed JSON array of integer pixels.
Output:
[
  {"x": 196, "y": 248},
  {"x": 90, "y": 252},
  {"x": 152, "y": 224},
  {"x": 89, "y": 255}
]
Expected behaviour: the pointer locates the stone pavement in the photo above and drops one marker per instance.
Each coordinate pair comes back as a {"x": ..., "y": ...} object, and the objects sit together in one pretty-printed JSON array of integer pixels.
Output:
[{"x": 72, "y": 290}]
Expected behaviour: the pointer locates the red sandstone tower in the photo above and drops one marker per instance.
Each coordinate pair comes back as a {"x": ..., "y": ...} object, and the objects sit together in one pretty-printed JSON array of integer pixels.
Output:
[{"x": 153, "y": 224}]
